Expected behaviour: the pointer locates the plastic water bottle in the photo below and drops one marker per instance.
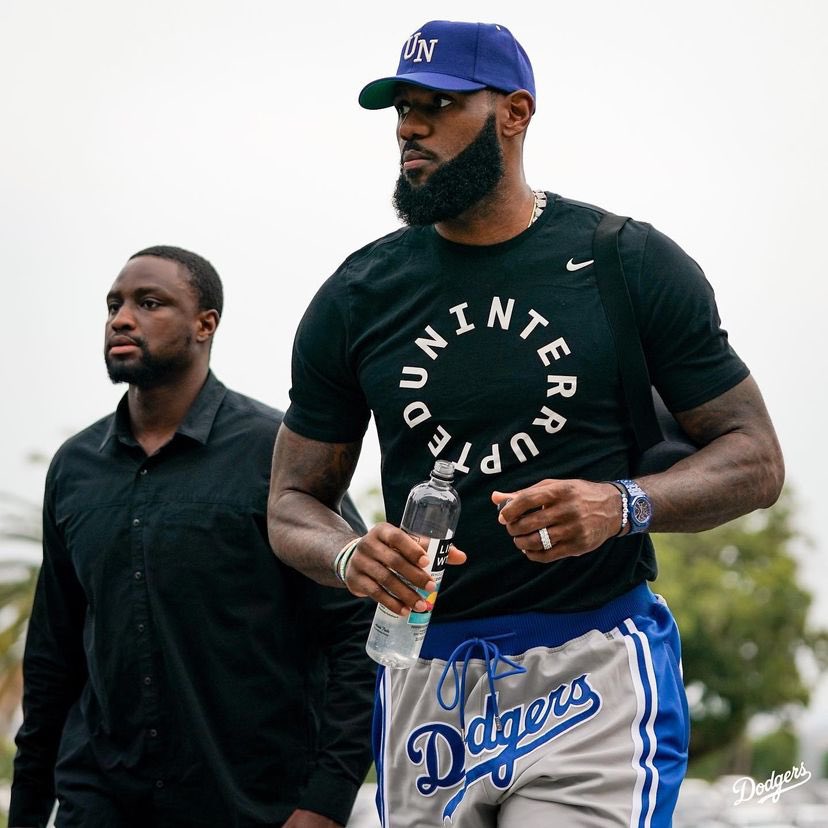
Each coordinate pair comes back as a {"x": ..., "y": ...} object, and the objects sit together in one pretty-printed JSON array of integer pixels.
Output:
[{"x": 431, "y": 511}]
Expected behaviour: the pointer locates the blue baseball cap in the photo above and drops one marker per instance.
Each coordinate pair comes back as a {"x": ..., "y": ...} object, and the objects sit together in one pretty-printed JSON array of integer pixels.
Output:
[{"x": 456, "y": 57}]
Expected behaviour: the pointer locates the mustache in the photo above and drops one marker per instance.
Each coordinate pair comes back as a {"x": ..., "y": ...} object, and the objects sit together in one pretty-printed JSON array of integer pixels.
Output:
[
  {"x": 415, "y": 146},
  {"x": 134, "y": 340}
]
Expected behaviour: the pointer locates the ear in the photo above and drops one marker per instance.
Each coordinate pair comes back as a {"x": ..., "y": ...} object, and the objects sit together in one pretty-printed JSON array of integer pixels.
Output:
[
  {"x": 206, "y": 324},
  {"x": 518, "y": 108}
]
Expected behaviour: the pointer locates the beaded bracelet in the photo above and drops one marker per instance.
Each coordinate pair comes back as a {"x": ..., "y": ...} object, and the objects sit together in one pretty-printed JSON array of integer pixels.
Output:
[
  {"x": 343, "y": 558},
  {"x": 625, "y": 506}
]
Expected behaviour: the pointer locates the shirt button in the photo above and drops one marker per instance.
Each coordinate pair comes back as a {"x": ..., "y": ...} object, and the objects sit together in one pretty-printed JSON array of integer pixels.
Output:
[
  {"x": 138, "y": 575},
  {"x": 136, "y": 522},
  {"x": 140, "y": 628},
  {"x": 143, "y": 472},
  {"x": 153, "y": 732},
  {"x": 147, "y": 680},
  {"x": 159, "y": 783}
]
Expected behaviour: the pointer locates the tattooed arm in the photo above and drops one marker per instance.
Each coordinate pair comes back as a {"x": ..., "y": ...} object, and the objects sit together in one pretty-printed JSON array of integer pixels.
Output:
[
  {"x": 738, "y": 469},
  {"x": 307, "y": 483},
  {"x": 308, "y": 480}
]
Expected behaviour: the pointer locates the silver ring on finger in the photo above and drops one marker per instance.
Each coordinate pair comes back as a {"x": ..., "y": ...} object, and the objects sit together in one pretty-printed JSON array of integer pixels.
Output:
[{"x": 544, "y": 536}]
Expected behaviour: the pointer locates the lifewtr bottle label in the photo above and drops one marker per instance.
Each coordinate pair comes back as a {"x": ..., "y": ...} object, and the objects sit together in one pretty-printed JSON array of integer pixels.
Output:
[{"x": 438, "y": 555}]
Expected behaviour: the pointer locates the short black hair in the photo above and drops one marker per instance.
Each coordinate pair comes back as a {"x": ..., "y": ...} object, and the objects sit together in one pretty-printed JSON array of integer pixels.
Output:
[{"x": 203, "y": 276}]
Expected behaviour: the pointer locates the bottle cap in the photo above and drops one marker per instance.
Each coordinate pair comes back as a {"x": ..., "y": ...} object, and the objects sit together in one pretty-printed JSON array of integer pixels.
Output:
[{"x": 444, "y": 470}]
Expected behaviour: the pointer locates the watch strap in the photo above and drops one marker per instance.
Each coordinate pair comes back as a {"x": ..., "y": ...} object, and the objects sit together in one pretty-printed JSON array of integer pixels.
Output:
[{"x": 636, "y": 495}]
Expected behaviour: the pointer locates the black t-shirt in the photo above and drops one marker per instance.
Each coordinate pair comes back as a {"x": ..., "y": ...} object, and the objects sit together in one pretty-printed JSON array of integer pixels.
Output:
[{"x": 500, "y": 359}]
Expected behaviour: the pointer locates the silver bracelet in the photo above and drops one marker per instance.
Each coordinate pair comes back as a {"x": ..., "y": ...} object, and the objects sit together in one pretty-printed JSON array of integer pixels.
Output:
[{"x": 343, "y": 558}]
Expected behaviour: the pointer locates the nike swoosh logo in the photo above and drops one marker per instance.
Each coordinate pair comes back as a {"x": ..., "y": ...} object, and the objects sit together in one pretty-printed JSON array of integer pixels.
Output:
[{"x": 572, "y": 266}]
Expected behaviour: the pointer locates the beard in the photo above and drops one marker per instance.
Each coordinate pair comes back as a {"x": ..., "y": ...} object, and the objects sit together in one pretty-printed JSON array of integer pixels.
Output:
[
  {"x": 151, "y": 370},
  {"x": 455, "y": 185}
]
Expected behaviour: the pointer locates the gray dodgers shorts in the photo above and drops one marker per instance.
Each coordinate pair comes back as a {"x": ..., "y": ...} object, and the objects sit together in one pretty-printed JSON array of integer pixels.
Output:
[{"x": 537, "y": 720}]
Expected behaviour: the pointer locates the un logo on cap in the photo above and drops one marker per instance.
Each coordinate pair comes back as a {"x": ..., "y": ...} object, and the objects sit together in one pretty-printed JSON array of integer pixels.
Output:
[{"x": 415, "y": 45}]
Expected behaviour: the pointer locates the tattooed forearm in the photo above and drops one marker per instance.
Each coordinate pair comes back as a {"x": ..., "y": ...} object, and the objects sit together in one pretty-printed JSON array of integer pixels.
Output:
[
  {"x": 308, "y": 481},
  {"x": 330, "y": 479}
]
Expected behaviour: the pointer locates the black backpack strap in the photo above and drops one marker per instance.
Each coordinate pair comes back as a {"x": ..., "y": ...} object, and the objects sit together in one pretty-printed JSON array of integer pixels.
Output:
[{"x": 615, "y": 296}]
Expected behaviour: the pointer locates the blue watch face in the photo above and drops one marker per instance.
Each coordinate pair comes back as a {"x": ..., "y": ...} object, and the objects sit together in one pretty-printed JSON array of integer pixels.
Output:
[
  {"x": 642, "y": 511},
  {"x": 641, "y": 508}
]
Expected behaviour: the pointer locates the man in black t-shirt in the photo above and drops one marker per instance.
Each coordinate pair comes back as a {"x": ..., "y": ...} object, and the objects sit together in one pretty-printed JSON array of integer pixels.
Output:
[{"x": 476, "y": 334}]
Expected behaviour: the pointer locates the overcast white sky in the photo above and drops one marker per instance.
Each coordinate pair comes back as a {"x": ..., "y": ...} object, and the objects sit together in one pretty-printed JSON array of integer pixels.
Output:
[{"x": 232, "y": 128}]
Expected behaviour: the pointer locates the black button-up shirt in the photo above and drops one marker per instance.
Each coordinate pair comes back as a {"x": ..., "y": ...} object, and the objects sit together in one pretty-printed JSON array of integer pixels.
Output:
[{"x": 172, "y": 660}]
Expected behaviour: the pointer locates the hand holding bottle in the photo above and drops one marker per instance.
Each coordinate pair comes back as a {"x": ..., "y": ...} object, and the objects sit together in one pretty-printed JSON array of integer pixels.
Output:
[
  {"x": 387, "y": 563},
  {"x": 431, "y": 515}
]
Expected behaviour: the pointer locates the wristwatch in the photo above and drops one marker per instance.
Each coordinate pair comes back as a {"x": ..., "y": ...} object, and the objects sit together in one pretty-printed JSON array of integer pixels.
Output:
[{"x": 640, "y": 506}]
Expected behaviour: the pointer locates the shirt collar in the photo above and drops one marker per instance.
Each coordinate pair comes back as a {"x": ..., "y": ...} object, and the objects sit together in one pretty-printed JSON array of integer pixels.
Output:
[{"x": 196, "y": 425}]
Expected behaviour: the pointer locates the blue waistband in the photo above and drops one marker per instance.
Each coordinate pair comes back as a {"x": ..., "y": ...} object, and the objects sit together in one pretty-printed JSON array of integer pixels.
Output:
[{"x": 537, "y": 629}]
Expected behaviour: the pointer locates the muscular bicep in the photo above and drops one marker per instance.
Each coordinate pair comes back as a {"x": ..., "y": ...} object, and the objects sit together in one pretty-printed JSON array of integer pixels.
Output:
[
  {"x": 738, "y": 467},
  {"x": 741, "y": 409},
  {"x": 311, "y": 467}
]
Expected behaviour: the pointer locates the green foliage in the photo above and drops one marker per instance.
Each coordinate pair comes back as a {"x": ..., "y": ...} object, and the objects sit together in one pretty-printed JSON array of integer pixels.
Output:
[
  {"x": 710, "y": 765},
  {"x": 776, "y": 752},
  {"x": 19, "y": 524},
  {"x": 7, "y": 751},
  {"x": 742, "y": 616},
  {"x": 370, "y": 505},
  {"x": 15, "y": 603},
  {"x": 17, "y": 585}
]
